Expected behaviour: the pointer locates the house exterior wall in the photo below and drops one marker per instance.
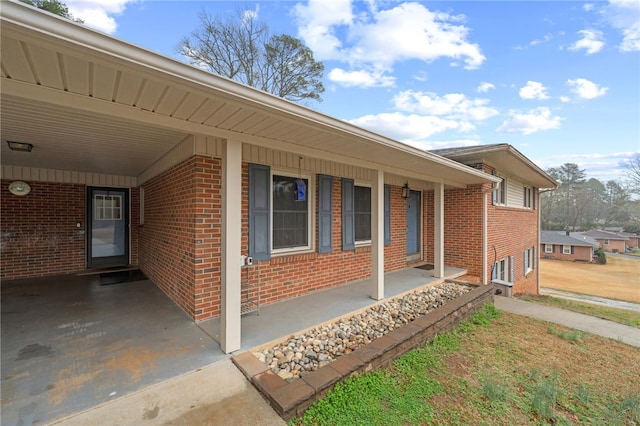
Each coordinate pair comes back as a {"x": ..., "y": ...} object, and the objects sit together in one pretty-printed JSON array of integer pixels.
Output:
[
  {"x": 581, "y": 253},
  {"x": 613, "y": 246},
  {"x": 462, "y": 228},
  {"x": 39, "y": 232},
  {"x": 511, "y": 231},
  {"x": 290, "y": 275},
  {"x": 180, "y": 244}
]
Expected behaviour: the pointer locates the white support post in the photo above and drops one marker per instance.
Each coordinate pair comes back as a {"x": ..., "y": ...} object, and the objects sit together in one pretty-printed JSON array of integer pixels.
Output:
[
  {"x": 438, "y": 231},
  {"x": 377, "y": 234},
  {"x": 485, "y": 243},
  {"x": 230, "y": 333}
]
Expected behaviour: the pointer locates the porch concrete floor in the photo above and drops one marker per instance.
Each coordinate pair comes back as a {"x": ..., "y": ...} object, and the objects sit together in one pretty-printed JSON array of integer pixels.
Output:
[{"x": 69, "y": 344}]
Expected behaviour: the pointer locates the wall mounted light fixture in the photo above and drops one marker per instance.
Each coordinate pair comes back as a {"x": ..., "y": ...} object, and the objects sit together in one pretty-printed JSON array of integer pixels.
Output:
[
  {"x": 20, "y": 146},
  {"x": 405, "y": 191}
]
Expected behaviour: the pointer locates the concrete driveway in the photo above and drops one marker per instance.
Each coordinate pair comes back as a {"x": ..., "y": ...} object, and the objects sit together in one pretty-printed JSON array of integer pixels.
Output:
[{"x": 69, "y": 343}]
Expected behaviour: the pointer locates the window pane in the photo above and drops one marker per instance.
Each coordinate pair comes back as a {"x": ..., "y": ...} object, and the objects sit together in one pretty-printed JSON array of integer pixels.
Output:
[
  {"x": 362, "y": 216},
  {"x": 290, "y": 217}
]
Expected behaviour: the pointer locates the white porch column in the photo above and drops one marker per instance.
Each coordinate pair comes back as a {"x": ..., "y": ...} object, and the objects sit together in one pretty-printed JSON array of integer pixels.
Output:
[
  {"x": 438, "y": 231},
  {"x": 231, "y": 245},
  {"x": 377, "y": 234},
  {"x": 485, "y": 243}
]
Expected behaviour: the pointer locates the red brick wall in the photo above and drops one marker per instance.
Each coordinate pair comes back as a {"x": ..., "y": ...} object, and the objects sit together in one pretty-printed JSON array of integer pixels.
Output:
[
  {"x": 39, "y": 232},
  {"x": 167, "y": 248},
  {"x": 180, "y": 241},
  {"x": 510, "y": 232},
  {"x": 287, "y": 276},
  {"x": 614, "y": 245}
]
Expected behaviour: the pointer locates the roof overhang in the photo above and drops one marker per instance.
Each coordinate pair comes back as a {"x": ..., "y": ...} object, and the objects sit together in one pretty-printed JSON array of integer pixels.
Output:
[
  {"x": 508, "y": 160},
  {"x": 90, "y": 102}
]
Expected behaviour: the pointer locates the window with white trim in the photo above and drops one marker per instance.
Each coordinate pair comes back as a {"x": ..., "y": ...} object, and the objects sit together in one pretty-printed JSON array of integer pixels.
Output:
[
  {"x": 501, "y": 270},
  {"x": 548, "y": 248},
  {"x": 606, "y": 242},
  {"x": 528, "y": 197},
  {"x": 566, "y": 249},
  {"x": 500, "y": 194},
  {"x": 291, "y": 218},
  {"x": 528, "y": 260},
  {"x": 362, "y": 214}
]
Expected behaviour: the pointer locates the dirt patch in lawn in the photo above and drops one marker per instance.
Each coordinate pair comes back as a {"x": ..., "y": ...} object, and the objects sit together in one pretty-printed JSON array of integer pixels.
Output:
[{"x": 617, "y": 279}]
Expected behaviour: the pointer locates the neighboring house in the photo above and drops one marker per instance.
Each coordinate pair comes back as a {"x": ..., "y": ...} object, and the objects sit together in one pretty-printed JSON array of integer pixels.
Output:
[
  {"x": 511, "y": 237},
  {"x": 565, "y": 246},
  {"x": 123, "y": 157},
  {"x": 609, "y": 241},
  {"x": 633, "y": 241}
]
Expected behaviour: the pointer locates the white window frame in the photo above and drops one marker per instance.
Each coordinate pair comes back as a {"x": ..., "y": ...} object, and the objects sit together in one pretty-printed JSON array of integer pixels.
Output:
[
  {"x": 606, "y": 242},
  {"x": 501, "y": 196},
  {"x": 548, "y": 248},
  {"x": 311, "y": 196},
  {"x": 360, "y": 243},
  {"x": 566, "y": 249},
  {"x": 502, "y": 269},
  {"x": 529, "y": 258},
  {"x": 528, "y": 197}
]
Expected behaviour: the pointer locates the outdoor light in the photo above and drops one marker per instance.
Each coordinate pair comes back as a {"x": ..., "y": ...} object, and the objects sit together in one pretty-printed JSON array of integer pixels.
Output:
[
  {"x": 405, "y": 191},
  {"x": 20, "y": 146}
]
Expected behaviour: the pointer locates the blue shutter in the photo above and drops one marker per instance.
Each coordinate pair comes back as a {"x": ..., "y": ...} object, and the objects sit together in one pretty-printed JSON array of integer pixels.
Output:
[
  {"x": 259, "y": 212},
  {"x": 511, "y": 266},
  {"x": 325, "y": 205},
  {"x": 387, "y": 215},
  {"x": 535, "y": 255},
  {"x": 571, "y": 249},
  {"x": 348, "y": 215}
]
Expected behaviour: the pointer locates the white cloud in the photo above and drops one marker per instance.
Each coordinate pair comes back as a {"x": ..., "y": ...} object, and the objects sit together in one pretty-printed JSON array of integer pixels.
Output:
[
  {"x": 565, "y": 99},
  {"x": 533, "y": 90},
  {"x": 484, "y": 87},
  {"x": 361, "y": 78},
  {"x": 98, "y": 14},
  {"x": 376, "y": 39},
  {"x": 547, "y": 38},
  {"x": 587, "y": 7},
  {"x": 624, "y": 15},
  {"x": 411, "y": 127},
  {"x": 586, "y": 89},
  {"x": 600, "y": 166},
  {"x": 452, "y": 105},
  {"x": 532, "y": 121},
  {"x": 591, "y": 41}
]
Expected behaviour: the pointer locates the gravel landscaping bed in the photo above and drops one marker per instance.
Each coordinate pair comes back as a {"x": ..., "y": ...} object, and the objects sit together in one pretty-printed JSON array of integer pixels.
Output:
[{"x": 319, "y": 346}]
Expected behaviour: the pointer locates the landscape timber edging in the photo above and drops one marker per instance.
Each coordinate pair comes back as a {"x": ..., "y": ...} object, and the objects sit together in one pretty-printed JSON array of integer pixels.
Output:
[{"x": 291, "y": 399}]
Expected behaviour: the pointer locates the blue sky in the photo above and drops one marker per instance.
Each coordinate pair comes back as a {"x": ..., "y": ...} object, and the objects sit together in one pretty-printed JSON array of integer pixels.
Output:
[{"x": 559, "y": 80}]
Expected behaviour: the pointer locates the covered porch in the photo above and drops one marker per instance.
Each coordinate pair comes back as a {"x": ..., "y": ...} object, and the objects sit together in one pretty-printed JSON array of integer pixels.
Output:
[{"x": 70, "y": 344}]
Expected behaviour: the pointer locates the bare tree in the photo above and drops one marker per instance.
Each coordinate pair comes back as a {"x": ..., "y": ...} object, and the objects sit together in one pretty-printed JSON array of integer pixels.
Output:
[
  {"x": 241, "y": 48},
  {"x": 632, "y": 171}
]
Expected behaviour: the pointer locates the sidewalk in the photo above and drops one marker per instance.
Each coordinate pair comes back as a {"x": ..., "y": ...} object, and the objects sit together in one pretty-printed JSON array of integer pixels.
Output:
[
  {"x": 589, "y": 324},
  {"x": 214, "y": 395}
]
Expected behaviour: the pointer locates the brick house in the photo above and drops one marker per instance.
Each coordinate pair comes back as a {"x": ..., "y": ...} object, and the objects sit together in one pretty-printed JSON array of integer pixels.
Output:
[
  {"x": 114, "y": 156},
  {"x": 511, "y": 215},
  {"x": 612, "y": 242},
  {"x": 566, "y": 246}
]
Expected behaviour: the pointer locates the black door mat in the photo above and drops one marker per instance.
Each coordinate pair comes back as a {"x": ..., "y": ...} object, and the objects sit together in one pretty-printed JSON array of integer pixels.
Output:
[
  {"x": 426, "y": 267},
  {"x": 108, "y": 278}
]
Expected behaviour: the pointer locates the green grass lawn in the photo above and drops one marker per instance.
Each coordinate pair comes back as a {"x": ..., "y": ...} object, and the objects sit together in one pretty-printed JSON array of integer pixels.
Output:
[
  {"x": 495, "y": 369},
  {"x": 622, "y": 316}
]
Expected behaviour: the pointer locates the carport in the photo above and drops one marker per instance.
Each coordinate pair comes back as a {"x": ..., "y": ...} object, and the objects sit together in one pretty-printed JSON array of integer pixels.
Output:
[{"x": 69, "y": 343}]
